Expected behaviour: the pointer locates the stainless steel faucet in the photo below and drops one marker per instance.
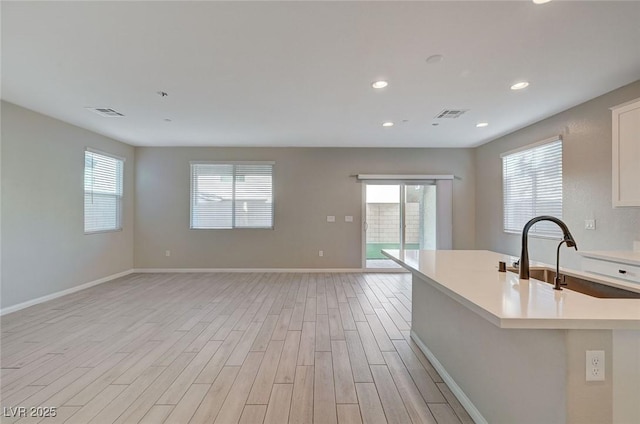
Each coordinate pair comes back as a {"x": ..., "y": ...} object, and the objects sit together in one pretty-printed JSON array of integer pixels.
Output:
[{"x": 524, "y": 255}]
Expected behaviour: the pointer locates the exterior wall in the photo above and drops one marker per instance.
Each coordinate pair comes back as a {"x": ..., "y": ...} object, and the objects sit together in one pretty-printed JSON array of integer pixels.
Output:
[{"x": 384, "y": 223}]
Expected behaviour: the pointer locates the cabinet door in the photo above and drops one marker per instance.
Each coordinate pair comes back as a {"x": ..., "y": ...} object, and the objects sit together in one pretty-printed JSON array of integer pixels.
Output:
[{"x": 626, "y": 154}]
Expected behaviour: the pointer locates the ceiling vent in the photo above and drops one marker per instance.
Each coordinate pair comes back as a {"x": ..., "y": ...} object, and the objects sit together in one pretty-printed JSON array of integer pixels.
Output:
[
  {"x": 105, "y": 112},
  {"x": 451, "y": 113}
]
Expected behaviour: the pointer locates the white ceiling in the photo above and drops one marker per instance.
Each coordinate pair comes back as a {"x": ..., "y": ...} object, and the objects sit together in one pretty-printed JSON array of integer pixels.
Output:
[{"x": 300, "y": 73}]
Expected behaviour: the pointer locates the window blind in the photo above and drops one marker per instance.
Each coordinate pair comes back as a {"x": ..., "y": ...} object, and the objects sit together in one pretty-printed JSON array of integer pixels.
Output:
[
  {"x": 231, "y": 195},
  {"x": 532, "y": 186},
  {"x": 103, "y": 176}
]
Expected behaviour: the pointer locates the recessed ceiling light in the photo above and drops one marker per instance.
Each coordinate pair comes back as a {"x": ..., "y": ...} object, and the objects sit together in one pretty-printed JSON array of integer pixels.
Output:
[
  {"x": 379, "y": 84},
  {"x": 520, "y": 85},
  {"x": 541, "y": 1},
  {"x": 434, "y": 59},
  {"x": 387, "y": 124},
  {"x": 482, "y": 124}
]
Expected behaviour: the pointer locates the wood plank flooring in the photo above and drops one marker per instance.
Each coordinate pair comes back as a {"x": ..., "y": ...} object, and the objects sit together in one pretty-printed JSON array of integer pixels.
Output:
[{"x": 224, "y": 348}]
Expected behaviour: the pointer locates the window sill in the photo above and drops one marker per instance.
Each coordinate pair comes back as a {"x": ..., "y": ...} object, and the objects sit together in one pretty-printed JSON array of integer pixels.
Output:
[
  {"x": 88, "y": 233},
  {"x": 232, "y": 228},
  {"x": 534, "y": 235}
]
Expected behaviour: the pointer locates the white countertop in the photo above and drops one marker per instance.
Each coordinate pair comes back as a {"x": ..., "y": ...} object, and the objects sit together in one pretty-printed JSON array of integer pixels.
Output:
[
  {"x": 471, "y": 277},
  {"x": 621, "y": 256}
]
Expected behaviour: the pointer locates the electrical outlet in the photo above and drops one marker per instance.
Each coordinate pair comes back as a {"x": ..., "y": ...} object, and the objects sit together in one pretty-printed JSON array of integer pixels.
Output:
[
  {"x": 348, "y": 218},
  {"x": 320, "y": 253},
  {"x": 589, "y": 224},
  {"x": 167, "y": 253},
  {"x": 331, "y": 218},
  {"x": 595, "y": 365}
]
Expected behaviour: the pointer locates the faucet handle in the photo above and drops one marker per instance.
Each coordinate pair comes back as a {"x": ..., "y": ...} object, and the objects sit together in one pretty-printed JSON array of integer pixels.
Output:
[{"x": 560, "y": 280}]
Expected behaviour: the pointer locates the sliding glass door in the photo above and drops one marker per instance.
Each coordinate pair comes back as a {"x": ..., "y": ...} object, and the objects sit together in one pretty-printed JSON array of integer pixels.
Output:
[
  {"x": 398, "y": 216},
  {"x": 382, "y": 223},
  {"x": 420, "y": 216}
]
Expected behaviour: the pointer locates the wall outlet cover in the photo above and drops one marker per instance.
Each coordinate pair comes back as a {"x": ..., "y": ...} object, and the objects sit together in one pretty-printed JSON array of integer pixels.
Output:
[
  {"x": 595, "y": 365},
  {"x": 331, "y": 218}
]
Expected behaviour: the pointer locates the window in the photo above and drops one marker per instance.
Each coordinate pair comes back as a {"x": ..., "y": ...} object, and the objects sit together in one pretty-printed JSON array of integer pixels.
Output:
[
  {"x": 532, "y": 186},
  {"x": 231, "y": 195},
  {"x": 102, "y": 192}
]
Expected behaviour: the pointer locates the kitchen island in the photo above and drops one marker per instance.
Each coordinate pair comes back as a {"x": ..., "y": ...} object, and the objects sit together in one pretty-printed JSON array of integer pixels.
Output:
[{"x": 513, "y": 351}]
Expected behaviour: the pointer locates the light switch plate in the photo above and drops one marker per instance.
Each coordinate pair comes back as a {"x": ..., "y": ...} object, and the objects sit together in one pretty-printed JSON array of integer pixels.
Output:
[
  {"x": 331, "y": 218},
  {"x": 348, "y": 218}
]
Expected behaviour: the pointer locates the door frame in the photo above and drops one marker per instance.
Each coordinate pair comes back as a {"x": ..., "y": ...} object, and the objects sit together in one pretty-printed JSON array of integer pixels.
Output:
[
  {"x": 402, "y": 232},
  {"x": 444, "y": 209}
]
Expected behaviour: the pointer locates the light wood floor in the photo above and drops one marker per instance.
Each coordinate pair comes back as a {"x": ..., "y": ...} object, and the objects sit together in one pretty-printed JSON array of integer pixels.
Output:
[{"x": 225, "y": 348}]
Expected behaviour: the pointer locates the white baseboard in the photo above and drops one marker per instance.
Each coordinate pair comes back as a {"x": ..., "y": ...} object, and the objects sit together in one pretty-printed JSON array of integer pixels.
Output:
[
  {"x": 455, "y": 389},
  {"x": 283, "y": 270},
  {"x": 55, "y": 295},
  {"x": 245, "y": 270},
  {"x": 52, "y": 296}
]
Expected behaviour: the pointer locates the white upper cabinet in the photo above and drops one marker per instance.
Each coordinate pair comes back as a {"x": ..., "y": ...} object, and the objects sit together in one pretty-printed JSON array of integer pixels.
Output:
[{"x": 626, "y": 154}]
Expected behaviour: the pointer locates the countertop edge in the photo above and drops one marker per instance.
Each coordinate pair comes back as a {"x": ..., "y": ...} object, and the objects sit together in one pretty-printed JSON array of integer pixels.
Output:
[
  {"x": 523, "y": 323},
  {"x": 622, "y": 256}
]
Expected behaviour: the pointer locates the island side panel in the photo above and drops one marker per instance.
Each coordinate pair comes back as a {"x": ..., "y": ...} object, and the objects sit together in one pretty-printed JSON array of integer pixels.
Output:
[
  {"x": 510, "y": 375},
  {"x": 626, "y": 376},
  {"x": 589, "y": 402}
]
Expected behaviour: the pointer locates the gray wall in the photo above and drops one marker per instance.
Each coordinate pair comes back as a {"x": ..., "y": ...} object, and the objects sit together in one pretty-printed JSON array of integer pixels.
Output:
[
  {"x": 310, "y": 183},
  {"x": 586, "y": 131},
  {"x": 44, "y": 248}
]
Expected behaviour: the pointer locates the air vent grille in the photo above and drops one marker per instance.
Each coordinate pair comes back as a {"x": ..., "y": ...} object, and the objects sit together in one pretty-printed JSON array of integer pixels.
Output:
[
  {"x": 105, "y": 112},
  {"x": 450, "y": 113}
]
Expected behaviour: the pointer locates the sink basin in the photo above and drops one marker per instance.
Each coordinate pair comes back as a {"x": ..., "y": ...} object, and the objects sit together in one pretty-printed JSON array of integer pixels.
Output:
[{"x": 581, "y": 285}]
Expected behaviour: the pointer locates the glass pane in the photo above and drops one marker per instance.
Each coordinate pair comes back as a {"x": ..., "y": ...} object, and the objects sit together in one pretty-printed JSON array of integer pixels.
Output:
[
  {"x": 102, "y": 192},
  {"x": 383, "y": 224},
  {"x": 420, "y": 217},
  {"x": 231, "y": 195},
  {"x": 532, "y": 186},
  {"x": 254, "y": 196},
  {"x": 212, "y": 196}
]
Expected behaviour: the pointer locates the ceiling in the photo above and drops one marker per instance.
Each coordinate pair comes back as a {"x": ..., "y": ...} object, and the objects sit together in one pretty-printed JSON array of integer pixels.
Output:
[{"x": 300, "y": 73}]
